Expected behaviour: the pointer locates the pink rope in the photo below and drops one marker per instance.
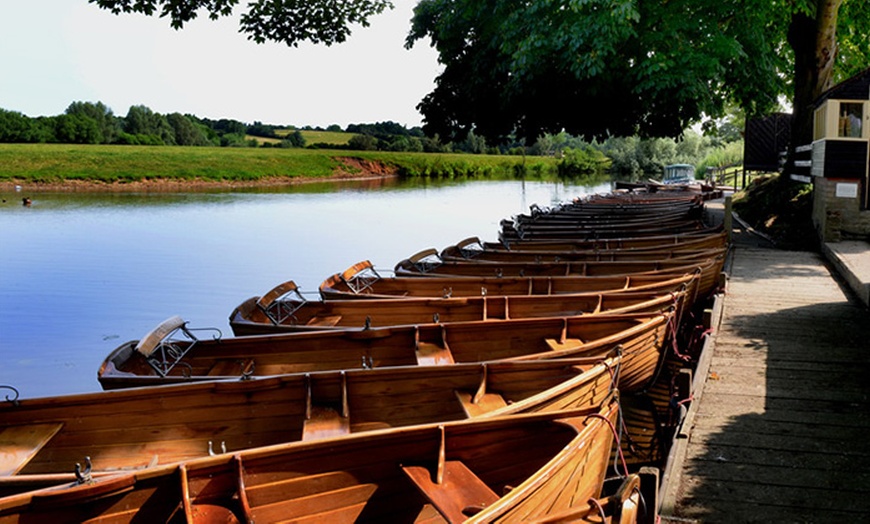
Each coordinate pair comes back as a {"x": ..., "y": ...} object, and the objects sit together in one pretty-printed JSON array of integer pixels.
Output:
[{"x": 615, "y": 438}]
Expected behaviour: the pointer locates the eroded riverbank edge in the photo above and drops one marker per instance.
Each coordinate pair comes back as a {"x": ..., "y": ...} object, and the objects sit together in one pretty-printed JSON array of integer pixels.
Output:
[{"x": 347, "y": 170}]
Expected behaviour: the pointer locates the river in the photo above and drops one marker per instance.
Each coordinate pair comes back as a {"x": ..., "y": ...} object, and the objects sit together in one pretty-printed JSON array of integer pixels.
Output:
[{"x": 81, "y": 273}]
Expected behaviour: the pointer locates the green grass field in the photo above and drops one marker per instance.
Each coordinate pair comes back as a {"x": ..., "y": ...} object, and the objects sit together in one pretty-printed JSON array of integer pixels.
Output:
[
  {"x": 338, "y": 138},
  {"x": 54, "y": 163}
]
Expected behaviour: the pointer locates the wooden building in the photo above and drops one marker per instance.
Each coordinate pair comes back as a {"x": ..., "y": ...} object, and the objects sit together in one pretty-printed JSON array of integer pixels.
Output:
[
  {"x": 840, "y": 162},
  {"x": 765, "y": 141}
]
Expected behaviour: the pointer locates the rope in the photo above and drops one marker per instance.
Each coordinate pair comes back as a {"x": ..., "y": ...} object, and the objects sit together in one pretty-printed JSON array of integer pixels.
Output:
[
  {"x": 672, "y": 327},
  {"x": 615, "y": 437},
  {"x": 599, "y": 507}
]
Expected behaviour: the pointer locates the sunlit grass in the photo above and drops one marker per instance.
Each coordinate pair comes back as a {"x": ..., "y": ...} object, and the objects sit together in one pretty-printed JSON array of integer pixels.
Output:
[{"x": 51, "y": 163}]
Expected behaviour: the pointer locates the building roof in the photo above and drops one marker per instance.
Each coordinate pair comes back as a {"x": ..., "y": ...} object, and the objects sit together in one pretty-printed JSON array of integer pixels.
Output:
[{"x": 855, "y": 88}]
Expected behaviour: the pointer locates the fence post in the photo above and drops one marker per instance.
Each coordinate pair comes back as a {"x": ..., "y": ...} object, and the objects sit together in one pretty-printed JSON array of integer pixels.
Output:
[{"x": 727, "y": 222}]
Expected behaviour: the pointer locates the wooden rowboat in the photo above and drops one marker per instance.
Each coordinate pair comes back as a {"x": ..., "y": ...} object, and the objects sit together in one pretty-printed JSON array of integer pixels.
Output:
[
  {"x": 549, "y": 257},
  {"x": 423, "y": 264},
  {"x": 626, "y": 242},
  {"x": 284, "y": 309},
  {"x": 564, "y": 217},
  {"x": 473, "y": 248},
  {"x": 172, "y": 353},
  {"x": 42, "y": 439},
  {"x": 362, "y": 281},
  {"x": 516, "y": 468},
  {"x": 511, "y": 232}
]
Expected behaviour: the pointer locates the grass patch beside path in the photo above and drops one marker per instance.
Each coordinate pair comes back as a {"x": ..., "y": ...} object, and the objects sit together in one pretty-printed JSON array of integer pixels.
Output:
[{"x": 60, "y": 163}]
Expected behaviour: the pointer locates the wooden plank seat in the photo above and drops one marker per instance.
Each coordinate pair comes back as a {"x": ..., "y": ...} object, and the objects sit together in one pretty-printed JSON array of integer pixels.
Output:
[
  {"x": 430, "y": 354},
  {"x": 433, "y": 353},
  {"x": 19, "y": 444},
  {"x": 481, "y": 401},
  {"x": 563, "y": 344},
  {"x": 459, "y": 495},
  {"x": 324, "y": 422},
  {"x": 485, "y": 403}
]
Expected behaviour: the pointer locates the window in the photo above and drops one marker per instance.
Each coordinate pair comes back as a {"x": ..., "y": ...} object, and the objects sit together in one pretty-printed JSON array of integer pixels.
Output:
[
  {"x": 851, "y": 119},
  {"x": 819, "y": 121}
]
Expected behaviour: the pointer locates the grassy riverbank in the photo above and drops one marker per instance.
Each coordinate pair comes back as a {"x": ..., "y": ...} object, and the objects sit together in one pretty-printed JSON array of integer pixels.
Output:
[{"x": 59, "y": 164}]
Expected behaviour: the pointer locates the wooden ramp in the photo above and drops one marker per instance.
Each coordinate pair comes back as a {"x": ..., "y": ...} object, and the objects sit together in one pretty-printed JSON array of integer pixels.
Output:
[{"x": 781, "y": 431}]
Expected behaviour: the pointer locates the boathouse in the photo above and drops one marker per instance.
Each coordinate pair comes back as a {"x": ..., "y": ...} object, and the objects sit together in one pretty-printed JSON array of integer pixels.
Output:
[{"x": 840, "y": 162}]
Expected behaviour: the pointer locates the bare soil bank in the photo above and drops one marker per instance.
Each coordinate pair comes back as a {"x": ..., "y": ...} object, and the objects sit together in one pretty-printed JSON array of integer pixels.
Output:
[{"x": 350, "y": 169}]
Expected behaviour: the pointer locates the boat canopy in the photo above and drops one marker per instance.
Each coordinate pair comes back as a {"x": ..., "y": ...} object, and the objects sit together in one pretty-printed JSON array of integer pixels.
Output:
[{"x": 679, "y": 174}]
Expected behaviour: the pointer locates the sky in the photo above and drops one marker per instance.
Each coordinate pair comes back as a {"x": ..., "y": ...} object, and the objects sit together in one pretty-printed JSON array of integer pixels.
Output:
[{"x": 54, "y": 52}]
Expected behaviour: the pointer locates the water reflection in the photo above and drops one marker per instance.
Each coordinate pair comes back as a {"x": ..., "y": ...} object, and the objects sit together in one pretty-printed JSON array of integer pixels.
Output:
[{"x": 81, "y": 273}]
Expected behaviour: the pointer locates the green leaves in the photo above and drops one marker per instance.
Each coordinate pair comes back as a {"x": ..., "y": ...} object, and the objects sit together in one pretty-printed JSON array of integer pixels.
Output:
[
  {"x": 287, "y": 21},
  {"x": 179, "y": 12},
  {"x": 294, "y": 21},
  {"x": 592, "y": 67}
]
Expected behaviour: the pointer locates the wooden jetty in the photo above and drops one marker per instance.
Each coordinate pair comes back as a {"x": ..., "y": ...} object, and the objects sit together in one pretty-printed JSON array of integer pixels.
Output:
[{"x": 779, "y": 431}]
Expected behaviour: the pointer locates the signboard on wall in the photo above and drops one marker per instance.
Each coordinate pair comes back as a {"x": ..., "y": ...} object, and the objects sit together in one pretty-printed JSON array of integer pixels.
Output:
[{"x": 846, "y": 190}]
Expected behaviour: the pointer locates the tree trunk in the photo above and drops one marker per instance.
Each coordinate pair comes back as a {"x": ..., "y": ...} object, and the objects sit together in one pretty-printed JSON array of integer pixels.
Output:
[{"x": 814, "y": 42}]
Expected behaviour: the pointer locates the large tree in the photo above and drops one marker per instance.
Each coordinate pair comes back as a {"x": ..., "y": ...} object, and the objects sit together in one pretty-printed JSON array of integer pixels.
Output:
[
  {"x": 623, "y": 66},
  {"x": 592, "y": 67}
]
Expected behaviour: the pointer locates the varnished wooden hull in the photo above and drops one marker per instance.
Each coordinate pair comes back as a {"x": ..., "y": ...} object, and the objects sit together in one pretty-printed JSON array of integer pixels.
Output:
[
  {"x": 516, "y": 468},
  {"x": 250, "y": 318},
  {"x": 512, "y": 233},
  {"x": 474, "y": 249},
  {"x": 579, "y": 244},
  {"x": 482, "y": 268},
  {"x": 640, "y": 339},
  {"x": 143, "y": 427},
  {"x": 347, "y": 285}
]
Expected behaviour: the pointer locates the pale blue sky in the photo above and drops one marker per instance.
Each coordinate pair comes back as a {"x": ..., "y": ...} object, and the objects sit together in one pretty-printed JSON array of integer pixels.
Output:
[{"x": 54, "y": 52}]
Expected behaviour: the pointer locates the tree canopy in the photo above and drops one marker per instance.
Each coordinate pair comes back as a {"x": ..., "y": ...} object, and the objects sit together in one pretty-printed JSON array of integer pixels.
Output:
[
  {"x": 288, "y": 21},
  {"x": 591, "y": 67},
  {"x": 600, "y": 67}
]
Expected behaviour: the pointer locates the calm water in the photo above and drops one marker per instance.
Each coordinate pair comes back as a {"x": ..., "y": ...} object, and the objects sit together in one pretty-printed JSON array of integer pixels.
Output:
[{"x": 82, "y": 273}]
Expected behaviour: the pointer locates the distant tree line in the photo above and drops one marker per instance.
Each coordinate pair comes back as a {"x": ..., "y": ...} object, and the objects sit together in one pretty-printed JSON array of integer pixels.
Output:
[{"x": 94, "y": 123}]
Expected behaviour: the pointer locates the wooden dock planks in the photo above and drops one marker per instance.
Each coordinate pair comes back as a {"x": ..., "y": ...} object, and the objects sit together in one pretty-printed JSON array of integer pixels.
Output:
[{"x": 781, "y": 431}]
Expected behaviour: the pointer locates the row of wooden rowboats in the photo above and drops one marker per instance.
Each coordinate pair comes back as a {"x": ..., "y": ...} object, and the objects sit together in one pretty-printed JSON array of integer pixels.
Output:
[{"x": 480, "y": 383}]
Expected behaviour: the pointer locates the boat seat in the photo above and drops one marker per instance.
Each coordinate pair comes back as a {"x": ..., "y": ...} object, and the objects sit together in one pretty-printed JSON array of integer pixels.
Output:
[
  {"x": 486, "y": 403},
  {"x": 149, "y": 342},
  {"x": 425, "y": 261},
  {"x": 429, "y": 354},
  {"x": 19, "y": 444},
  {"x": 562, "y": 345},
  {"x": 325, "y": 422},
  {"x": 329, "y": 321},
  {"x": 278, "y": 308},
  {"x": 275, "y": 293},
  {"x": 460, "y": 494}
]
